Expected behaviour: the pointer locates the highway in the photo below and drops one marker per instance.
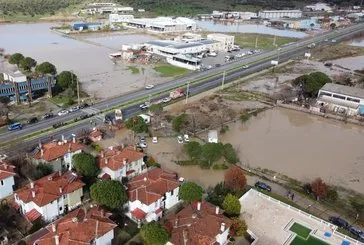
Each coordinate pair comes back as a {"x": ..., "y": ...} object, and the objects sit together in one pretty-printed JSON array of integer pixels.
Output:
[{"x": 213, "y": 78}]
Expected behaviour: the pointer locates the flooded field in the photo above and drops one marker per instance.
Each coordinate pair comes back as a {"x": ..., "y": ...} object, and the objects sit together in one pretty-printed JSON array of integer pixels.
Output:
[
  {"x": 301, "y": 146},
  {"x": 352, "y": 63},
  {"x": 88, "y": 59}
]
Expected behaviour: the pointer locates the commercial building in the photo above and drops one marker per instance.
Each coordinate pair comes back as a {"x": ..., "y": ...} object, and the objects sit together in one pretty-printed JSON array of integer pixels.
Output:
[
  {"x": 185, "y": 61},
  {"x": 223, "y": 42},
  {"x": 199, "y": 223},
  {"x": 7, "y": 174},
  {"x": 15, "y": 77},
  {"x": 117, "y": 163},
  {"x": 342, "y": 99},
  {"x": 106, "y": 8},
  {"x": 233, "y": 15},
  {"x": 119, "y": 18},
  {"x": 87, "y": 26},
  {"x": 278, "y": 14},
  {"x": 50, "y": 196},
  {"x": 163, "y": 24},
  {"x": 150, "y": 194},
  {"x": 78, "y": 227}
]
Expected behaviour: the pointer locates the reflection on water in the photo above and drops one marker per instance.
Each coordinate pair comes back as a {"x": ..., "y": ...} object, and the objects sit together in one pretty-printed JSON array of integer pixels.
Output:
[
  {"x": 302, "y": 146},
  {"x": 247, "y": 28}
]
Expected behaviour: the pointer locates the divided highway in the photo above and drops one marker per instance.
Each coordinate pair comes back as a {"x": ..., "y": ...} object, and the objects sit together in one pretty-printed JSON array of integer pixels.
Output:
[{"x": 200, "y": 82}]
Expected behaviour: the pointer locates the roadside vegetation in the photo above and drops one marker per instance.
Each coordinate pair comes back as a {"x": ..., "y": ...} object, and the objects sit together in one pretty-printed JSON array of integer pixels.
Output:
[
  {"x": 332, "y": 52},
  {"x": 134, "y": 69},
  {"x": 263, "y": 41},
  {"x": 170, "y": 71}
]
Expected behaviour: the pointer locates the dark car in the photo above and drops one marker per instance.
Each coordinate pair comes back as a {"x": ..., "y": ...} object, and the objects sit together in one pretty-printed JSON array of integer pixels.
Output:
[
  {"x": 263, "y": 186},
  {"x": 48, "y": 115},
  {"x": 217, "y": 65},
  {"x": 84, "y": 105},
  {"x": 339, "y": 221},
  {"x": 32, "y": 120},
  {"x": 356, "y": 231}
]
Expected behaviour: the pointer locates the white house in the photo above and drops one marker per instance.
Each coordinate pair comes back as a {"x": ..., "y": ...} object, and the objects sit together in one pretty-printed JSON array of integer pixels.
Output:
[
  {"x": 117, "y": 163},
  {"x": 15, "y": 77},
  {"x": 6, "y": 179},
  {"x": 150, "y": 194},
  {"x": 58, "y": 154},
  {"x": 50, "y": 196},
  {"x": 78, "y": 227},
  {"x": 197, "y": 222}
]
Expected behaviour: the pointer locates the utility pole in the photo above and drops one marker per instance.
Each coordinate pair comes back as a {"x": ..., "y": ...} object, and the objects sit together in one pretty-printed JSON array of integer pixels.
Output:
[
  {"x": 223, "y": 80},
  {"x": 150, "y": 98},
  {"x": 78, "y": 91},
  {"x": 274, "y": 40},
  {"x": 256, "y": 42},
  {"x": 187, "y": 92}
]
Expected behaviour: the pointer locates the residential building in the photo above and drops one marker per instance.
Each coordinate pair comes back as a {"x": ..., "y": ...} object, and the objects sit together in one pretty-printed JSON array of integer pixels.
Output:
[
  {"x": 95, "y": 135},
  {"x": 50, "y": 196},
  {"x": 150, "y": 194},
  {"x": 199, "y": 223},
  {"x": 78, "y": 227},
  {"x": 15, "y": 77},
  {"x": 212, "y": 136},
  {"x": 7, "y": 174},
  {"x": 342, "y": 99},
  {"x": 117, "y": 163},
  {"x": 318, "y": 7},
  {"x": 58, "y": 154},
  {"x": 225, "y": 42},
  {"x": 278, "y": 14},
  {"x": 163, "y": 24}
]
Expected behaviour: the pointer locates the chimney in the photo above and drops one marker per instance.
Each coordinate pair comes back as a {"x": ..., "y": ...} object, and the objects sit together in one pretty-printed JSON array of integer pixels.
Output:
[
  {"x": 5, "y": 166},
  {"x": 124, "y": 161},
  {"x": 74, "y": 140},
  {"x": 222, "y": 228},
  {"x": 106, "y": 161},
  {"x": 60, "y": 190},
  {"x": 31, "y": 184},
  {"x": 198, "y": 206},
  {"x": 102, "y": 212},
  {"x": 217, "y": 211},
  {"x": 56, "y": 238},
  {"x": 60, "y": 172},
  {"x": 185, "y": 236},
  {"x": 40, "y": 145},
  {"x": 54, "y": 227},
  {"x": 102, "y": 154},
  {"x": 33, "y": 193},
  {"x": 122, "y": 146},
  {"x": 62, "y": 138},
  {"x": 69, "y": 148},
  {"x": 176, "y": 222},
  {"x": 41, "y": 152}
]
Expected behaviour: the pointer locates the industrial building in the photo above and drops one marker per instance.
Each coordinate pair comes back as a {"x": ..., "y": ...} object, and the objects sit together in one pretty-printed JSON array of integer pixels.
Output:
[
  {"x": 119, "y": 18},
  {"x": 233, "y": 15},
  {"x": 87, "y": 26},
  {"x": 342, "y": 99},
  {"x": 163, "y": 24},
  {"x": 106, "y": 8},
  {"x": 278, "y": 14},
  {"x": 185, "y": 61}
]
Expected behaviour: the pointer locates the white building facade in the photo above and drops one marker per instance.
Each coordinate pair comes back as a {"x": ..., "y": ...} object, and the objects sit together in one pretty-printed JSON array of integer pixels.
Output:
[
  {"x": 6, "y": 180},
  {"x": 163, "y": 24},
  {"x": 223, "y": 42},
  {"x": 278, "y": 14},
  {"x": 15, "y": 77}
]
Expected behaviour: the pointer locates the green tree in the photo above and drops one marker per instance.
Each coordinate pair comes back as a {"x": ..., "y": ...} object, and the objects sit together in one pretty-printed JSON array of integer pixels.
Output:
[
  {"x": 154, "y": 234},
  {"x": 16, "y": 59},
  {"x": 46, "y": 68},
  {"x": 156, "y": 108},
  {"x": 85, "y": 164},
  {"x": 190, "y": 192},
  {"x": 193, "y": 150},
  {"x": 109, "y": 193},
  {"x": 311, "y": 83},
  {"x": 179, "y": 122},
  {"x": 231, "y": 205},
  {"x": 230, "y": 154},
  {"x": 238, "y": 227},
  {"x": 212, "y": 151},
  {"x": 357, "y": 202},
  {"x": 137, "y": 124},
  {"x": 217, "y": 194},
  {"x": 28, "y": 63},
  {"x": 67, "y": 79}
]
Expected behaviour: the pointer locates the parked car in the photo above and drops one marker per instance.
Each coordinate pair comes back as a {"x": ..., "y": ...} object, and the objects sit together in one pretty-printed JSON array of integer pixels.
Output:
[
  {"x": 143, "y": 145},
  {"x": 48, "y": 115},
  {"x": 339, "y": 221},
  {"x": 155, "y": 139},
  {"x": 263, "y": 186},
  {"x": 186, "y": 138},
  {"x": 180, "y": 139},
  {"x": 32, "y": 120},
  {"x": 15, "y": 126},
  {"x": 73, "y": 109},
  {"x": 245, "y": 66},
  {"x": 200, "y": 56},
  {"x": 166, "y": 99},
  {"x": 142, "y": 139},
  {"x": 149, "y": 86},
  {"x": 356, "y": 231},
  {"x": 217, "y": 65},
  {"x": 84, "y": 105},
  {"x": 62, "y": 113},
  {"x": 212, "y": 54},
  {"x": 143, "y": 106}
]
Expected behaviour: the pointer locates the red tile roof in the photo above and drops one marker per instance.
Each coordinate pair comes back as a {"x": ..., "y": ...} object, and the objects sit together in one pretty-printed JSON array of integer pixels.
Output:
[
  {"x": 6, "y": 170},
  {"x": 54, "y": 150},
  {"x": 116, "y": 158},
  {"x": 200, "y": 226},
  {"x": 95, "y": 133},
  {"x": 33, "y": 215},
  {"x": 138, "y": 213},
  {"x": 78, "y": 228},
  {"x": 50, "y": 188},
  {"x": 152, "y": 185},
  {"x": 106, "y": 176}
]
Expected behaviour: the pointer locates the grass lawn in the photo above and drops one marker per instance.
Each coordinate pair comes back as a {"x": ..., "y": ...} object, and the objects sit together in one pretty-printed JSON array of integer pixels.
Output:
[
  {"x": 170, "y": 71},
  {"x": 59, "y": 99},
  {"x": 310, "y": 241},
  {"x": 300, "y": 230},
  {"x": 247, "y": 40},
  {"x": 134, "y": 69}
]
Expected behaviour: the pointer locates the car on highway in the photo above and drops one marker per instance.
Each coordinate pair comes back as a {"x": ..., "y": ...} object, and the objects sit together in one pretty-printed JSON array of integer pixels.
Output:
[
  {"x": 180, "y": 139},
  {"x": 155, "y": 139},
  {"x": 186, "y": 138},
  {"x": 32, "y": 120},
  {"x": 48, "y": 115},
  {"x": 245, "y": 66},
  {"x": 340, "y": 222},
  {"x": 84, "y": 105},
  {"x": 62, "y": 113},
  {"x": 143, "y": 106},
  {"x": 149, "y": 86},
  {"x": 73, "y": 109},
  {"x": 15, "y": 126},
  {"x": 217, "y": 65},
  {"x": 166, "y": 99},
  {"x": 263, "y": 186},
  {"x": 356, "y": 231},
  {"x": 209, "y": 67}
]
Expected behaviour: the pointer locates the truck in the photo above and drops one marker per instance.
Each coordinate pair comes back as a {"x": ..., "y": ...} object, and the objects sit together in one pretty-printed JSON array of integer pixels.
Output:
[{"x": 176, "y": 93}]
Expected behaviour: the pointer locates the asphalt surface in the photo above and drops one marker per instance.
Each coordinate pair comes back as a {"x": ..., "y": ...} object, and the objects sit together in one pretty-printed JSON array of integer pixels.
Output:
[{"x": 261, "y": 61}]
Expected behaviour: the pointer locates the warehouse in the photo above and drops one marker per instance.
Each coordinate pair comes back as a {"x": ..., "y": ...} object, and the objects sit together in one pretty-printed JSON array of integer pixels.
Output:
[
  {"x": 87, "y": 26},
  {"x": 163, "y": 24},
  {"x": 278, "y": 14}
]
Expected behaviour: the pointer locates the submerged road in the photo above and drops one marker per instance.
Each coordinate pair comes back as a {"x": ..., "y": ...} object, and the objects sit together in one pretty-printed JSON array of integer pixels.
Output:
[{"x": 211, "y": 79}]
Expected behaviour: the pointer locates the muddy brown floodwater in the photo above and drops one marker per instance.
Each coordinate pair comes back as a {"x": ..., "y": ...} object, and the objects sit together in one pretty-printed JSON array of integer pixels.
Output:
[{"x": 302, "y": 146}]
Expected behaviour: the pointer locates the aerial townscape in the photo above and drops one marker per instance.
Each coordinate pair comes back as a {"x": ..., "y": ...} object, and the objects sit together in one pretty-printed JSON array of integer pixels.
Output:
[{"x": 207, "y": 122}]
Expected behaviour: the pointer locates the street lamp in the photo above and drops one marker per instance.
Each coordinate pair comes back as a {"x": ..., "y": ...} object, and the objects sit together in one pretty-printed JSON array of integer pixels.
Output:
[
  {"x": 223, "y": 80},
  {"x": 187, "y": 92}
]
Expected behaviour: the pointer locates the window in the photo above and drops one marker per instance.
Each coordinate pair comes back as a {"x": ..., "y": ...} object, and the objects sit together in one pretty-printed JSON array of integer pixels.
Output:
[
  {"x": 339, "y": 96},
  {"x": 172, "y": 192},
  {"x": 60, "y": 208},
  {"x": 2, "y": 182},
  {"x": 353, "y": 100},
  {"x": 326, "y": 94},
  {"x": 64, "y": 196}
]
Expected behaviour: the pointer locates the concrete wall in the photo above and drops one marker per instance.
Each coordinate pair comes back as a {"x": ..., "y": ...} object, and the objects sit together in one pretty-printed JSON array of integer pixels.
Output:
[
  {"x": 171, "y": 200},
  {"x": 6, "y": 187},
  {"x": 183, "y": 65},
  {"x": 73, "y": 199},
  {"x": 223, "y": 238},
  {"x": 105, "y": 239}
]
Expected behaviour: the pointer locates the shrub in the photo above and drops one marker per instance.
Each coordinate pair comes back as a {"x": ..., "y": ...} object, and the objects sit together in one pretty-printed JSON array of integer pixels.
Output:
[
  {"x": 332, "y": 195},
  {"x": 238, "y": 227},
  {"x": 179, "y": 122},
  {"x": 220, "y": 166},
  {"x": 230, "y": 154},
  {"x": 231, "y": 205}
]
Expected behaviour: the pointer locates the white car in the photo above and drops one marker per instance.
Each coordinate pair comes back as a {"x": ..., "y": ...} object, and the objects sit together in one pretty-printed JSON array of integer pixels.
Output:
[
  {"x": 73, "y": 109},
  {"x": 62, "y": 113},
  {"x": 143, "y": 106},
  {"x": 143, "y": 145},
  {"x": 180, "y": 139},
  {"x": 155, "y": 139},
  {"x": 181, "y": 179},
  {"x": 212, "y": 54},
  {"x": 166, "y": 99},
  {"x": 186, "y": 138},
  {"x": 149, "y": 86}
]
